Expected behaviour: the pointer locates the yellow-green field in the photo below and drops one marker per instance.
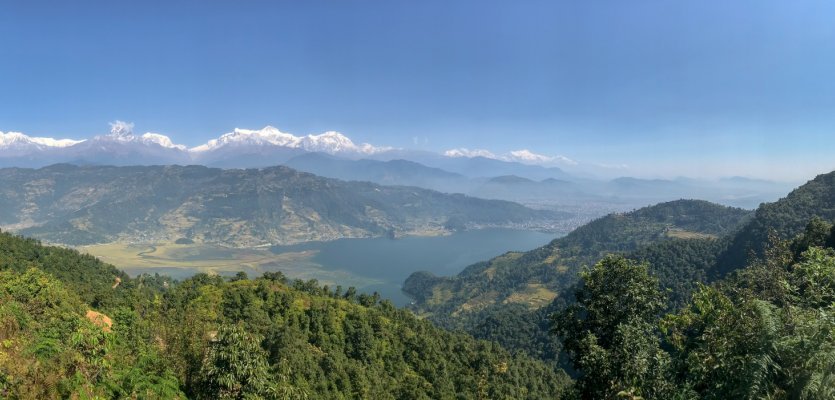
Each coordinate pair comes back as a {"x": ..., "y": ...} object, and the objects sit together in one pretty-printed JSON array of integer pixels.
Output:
[
  {"x": 683, "y": 234},
  {"x": 183, "y": 260}
]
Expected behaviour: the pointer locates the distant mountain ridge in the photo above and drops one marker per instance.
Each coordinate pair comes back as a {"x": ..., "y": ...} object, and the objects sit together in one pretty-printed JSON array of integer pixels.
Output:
[
  {"x": 277, "y": 205},
  {"x": 392, "y": 172},
  {"x": 535, "y": 185},
  {"x": 520, "y": 176}
]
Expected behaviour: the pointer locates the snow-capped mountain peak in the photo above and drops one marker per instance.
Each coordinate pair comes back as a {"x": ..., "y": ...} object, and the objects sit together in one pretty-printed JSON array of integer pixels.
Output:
[
  {"x": 523, "y": 156},
  {"x": 268, "y": 146},
  {"x": 122, "y": 132},
  {"x": 526, "y": 155},
  {"x": 467, "y": 153},
  {"x": 119, "y": 131},
  {"x": 17, "y": 139},
  {"x": 331, "y": 142},
  {"x": 161, "y": 140},
  {"x": 269, "y": 135}
]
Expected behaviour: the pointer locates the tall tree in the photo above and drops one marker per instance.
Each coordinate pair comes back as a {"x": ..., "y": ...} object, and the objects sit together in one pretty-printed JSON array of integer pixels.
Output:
[{"x": 610, "y": 334}]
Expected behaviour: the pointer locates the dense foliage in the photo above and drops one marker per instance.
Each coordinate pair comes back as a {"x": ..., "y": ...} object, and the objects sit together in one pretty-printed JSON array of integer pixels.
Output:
[
  {"x": 768, "y": 331},
  {"x": 210, "y": 337},
  {"x": 49, "y": 349},
  {"x": 786, "y": 217},
  {"x": 680, "y": 265},
  {"x": 609, "y": 332},
  {"x": 88, "y": 277}
]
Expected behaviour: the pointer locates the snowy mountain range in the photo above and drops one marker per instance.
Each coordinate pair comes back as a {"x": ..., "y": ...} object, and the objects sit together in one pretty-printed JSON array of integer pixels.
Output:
[
  {"x": 19, "y": 141},
  {"x": 241, "y": 148}
]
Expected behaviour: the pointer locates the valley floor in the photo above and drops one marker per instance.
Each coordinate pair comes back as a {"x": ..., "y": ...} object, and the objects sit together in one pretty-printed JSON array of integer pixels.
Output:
[{"x": 183, "y": 260}]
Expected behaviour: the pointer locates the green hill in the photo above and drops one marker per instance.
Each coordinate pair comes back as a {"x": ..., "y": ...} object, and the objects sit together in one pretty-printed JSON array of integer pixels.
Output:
[
  {"x": 278, "y": 205},
  {"x": 534, "y": 279},
  {"x": 89, "y": 278},
  {"x": 786, "y": 217}
]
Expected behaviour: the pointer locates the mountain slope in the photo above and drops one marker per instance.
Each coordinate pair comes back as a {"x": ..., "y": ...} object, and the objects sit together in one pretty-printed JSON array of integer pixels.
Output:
[
  {"x": 92, "y": 279},
  {"x": 483, "y": 167},
  {"x": 786, "y": 217},
  {"x": 533, "y": 279},
  {"x": 278, "y": 205},
  {"x": 393, "y": 172},
  {"x": 297, "y": 339},
  {"x": 121, "y": 147}
]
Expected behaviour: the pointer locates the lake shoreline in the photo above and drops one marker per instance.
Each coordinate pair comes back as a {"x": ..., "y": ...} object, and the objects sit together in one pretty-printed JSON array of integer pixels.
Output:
[{"x": 370, "y": 264}]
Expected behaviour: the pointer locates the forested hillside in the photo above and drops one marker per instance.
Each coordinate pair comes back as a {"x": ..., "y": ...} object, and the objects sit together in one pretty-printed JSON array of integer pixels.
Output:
[
  {"x": 90, "y": 279},
  {"x": 278, "y": 205},
  {"x": 679, "y": 264},
  {"x": 534, "y": 279},
  {"x": 69, "y": 329},
  {"x": 765, "y": 332},
  {"x": 785, "y": 217}
]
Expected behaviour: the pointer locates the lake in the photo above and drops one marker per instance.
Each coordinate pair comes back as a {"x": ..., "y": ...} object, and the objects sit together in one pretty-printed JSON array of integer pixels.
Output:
[
  {"x": 389, "y": 262},
  {"x": 377, "y": 264}
]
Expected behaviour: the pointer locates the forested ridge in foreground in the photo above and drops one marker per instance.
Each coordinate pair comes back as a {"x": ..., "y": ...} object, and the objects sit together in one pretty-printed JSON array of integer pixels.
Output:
[
  {"x": 209, "y": 337},
  {"x": 766, "y": 331}
]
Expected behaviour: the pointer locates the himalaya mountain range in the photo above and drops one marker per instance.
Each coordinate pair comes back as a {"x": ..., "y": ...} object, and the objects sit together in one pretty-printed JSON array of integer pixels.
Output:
[
  {"x": 522, "y": 176},
  {"x": 241, "y": 148},
  {"x": 122, "y": 147}
]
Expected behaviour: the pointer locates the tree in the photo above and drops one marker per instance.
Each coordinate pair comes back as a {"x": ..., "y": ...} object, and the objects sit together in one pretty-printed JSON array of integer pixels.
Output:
[
  {"x": 724, "y": 350},
  {"x": 609, "y": 333},
  {"x": 816, "y": 234},
  {"x": 235, "y": 367},
  {"x": 767, "y": 331},
  {"x": 812, "y": 280}
]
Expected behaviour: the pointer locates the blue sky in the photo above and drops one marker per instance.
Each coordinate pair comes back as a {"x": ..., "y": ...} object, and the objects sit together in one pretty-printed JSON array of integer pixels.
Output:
[{"x": 701, "y": 88}]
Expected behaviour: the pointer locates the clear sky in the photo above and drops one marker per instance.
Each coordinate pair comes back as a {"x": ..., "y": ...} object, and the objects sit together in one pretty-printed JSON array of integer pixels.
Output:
[{"x": 665, "y": 87}]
